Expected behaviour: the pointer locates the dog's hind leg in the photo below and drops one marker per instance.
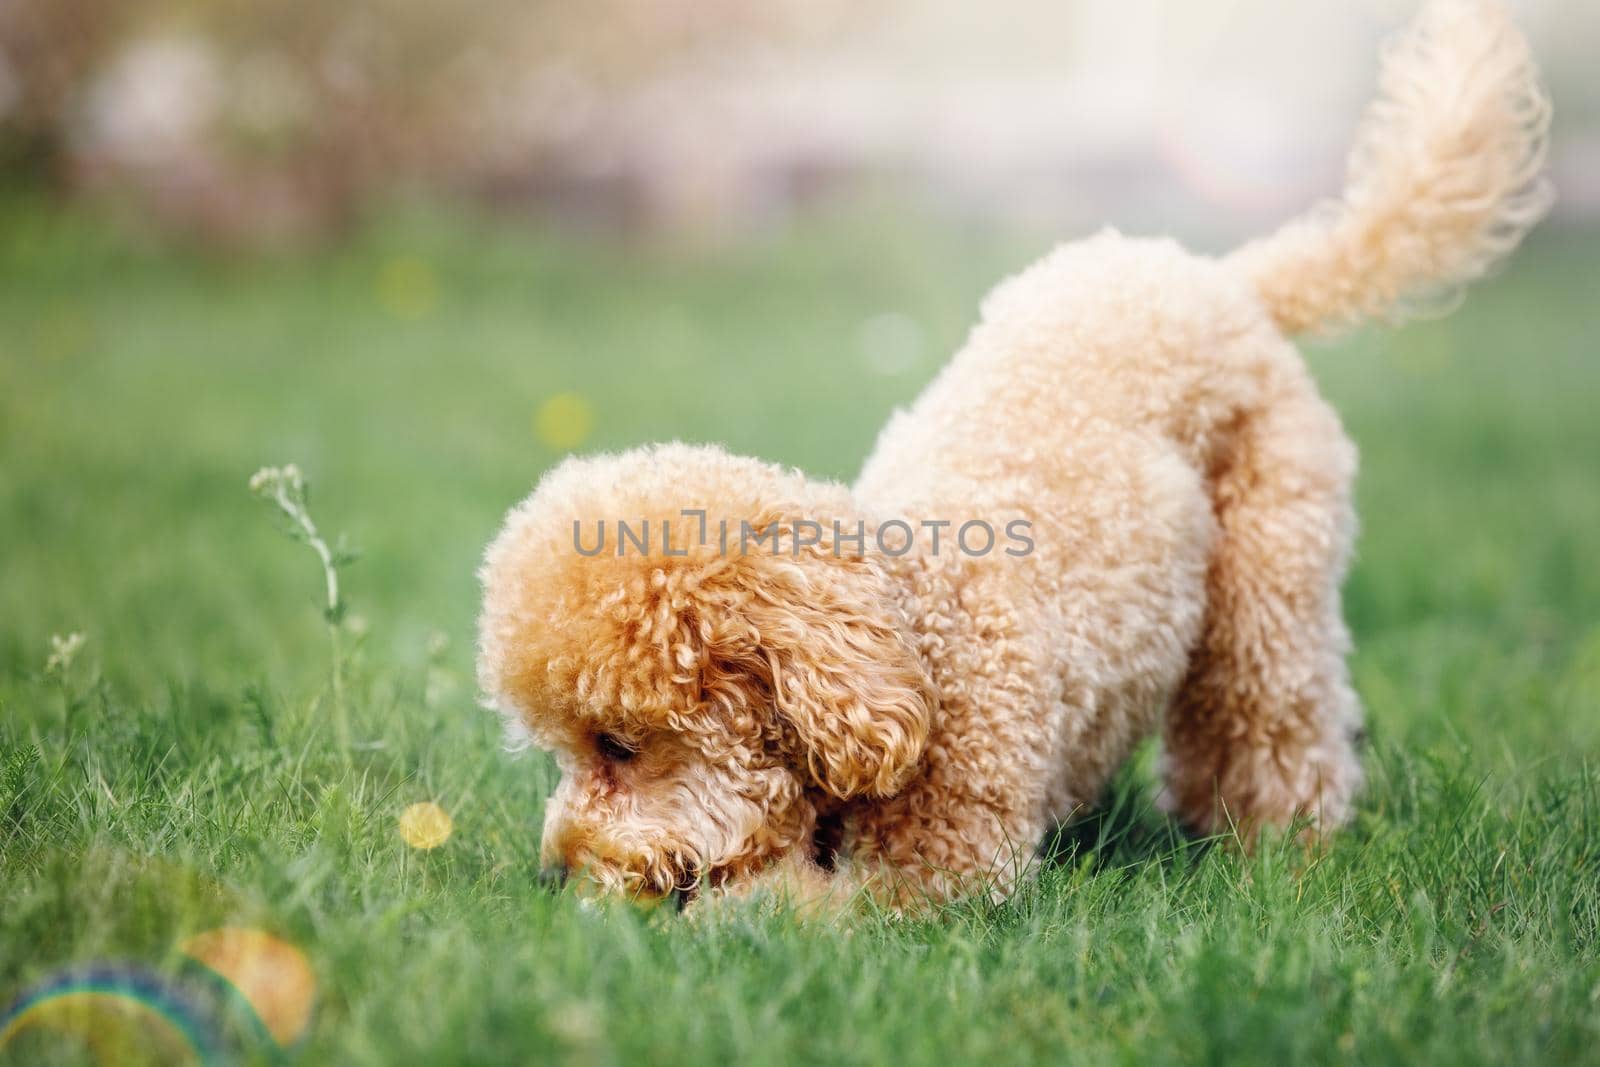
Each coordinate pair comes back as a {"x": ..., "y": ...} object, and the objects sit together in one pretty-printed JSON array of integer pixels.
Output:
[{"x": 1263, "y": 729}]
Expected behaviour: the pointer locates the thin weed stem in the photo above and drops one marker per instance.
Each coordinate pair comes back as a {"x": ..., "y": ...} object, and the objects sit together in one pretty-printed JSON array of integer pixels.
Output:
[{"x": 285, "y": 489}]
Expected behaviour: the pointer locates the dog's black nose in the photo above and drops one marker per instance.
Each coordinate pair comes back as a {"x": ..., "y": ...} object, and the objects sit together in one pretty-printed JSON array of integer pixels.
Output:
[{"x": 554, "y": 877}]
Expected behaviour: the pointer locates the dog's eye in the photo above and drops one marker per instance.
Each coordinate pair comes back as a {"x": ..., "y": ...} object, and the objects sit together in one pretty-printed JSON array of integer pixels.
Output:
[{"x": 613, "y": 749}]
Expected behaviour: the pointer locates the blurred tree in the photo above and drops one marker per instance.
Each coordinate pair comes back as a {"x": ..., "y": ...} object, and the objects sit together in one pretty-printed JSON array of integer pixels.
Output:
[
  {"x": 273, "y": 119},
  {"x": 48, "y": 50}
]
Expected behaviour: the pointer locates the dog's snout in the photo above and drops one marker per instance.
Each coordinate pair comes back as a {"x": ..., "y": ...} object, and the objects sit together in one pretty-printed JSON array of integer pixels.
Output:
[{"x": 554, "y": 876}]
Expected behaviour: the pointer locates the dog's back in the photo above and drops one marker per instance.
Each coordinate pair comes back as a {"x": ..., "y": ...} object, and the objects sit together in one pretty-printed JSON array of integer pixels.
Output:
[
  {"x": 1189, "y": 492},
  {"x": 1102, "y": 339}
]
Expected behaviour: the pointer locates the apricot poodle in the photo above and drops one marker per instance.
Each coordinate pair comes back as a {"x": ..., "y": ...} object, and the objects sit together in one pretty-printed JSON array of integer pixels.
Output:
[{"x": 750, "y": 678}]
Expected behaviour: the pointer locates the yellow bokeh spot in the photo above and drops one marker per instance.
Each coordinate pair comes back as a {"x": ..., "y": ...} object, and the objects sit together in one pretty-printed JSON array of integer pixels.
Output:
[
  {"x": 272, "y": 975},
  {"x": 425, "y": 825},
  {"x": 407, "y": 287},
  {"x": 564, "y": 420}
]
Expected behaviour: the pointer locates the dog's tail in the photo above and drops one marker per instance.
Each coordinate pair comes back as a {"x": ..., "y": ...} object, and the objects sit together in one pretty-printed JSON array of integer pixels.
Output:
[{"x": 1444, "y": 179}]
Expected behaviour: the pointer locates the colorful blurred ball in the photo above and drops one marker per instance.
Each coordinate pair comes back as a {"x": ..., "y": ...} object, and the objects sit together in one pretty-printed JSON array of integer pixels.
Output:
[
  {"x": 272, "y": 976},
  {"x": 116, "y": 1014},
  {"x": 425, "y": 825},
  {"x": 242, "y": 995}
]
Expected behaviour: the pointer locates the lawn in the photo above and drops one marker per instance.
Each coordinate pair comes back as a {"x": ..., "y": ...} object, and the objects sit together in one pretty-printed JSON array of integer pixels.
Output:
[{"x": 190, "y": 768}]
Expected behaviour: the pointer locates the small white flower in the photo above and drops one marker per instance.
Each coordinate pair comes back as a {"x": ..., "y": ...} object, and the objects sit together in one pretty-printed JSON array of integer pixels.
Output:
[
  {"x": 63, "y": 650},
  {"x": 286, "y": 483}
]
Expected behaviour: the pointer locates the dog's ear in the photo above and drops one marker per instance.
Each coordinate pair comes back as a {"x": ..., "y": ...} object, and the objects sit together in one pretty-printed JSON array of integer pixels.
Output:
[{"x": 824, "y": 640}]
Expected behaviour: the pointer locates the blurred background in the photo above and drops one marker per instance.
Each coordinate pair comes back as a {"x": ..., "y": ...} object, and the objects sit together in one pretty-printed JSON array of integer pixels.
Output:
[
  {"x": 425, "y": 249},
  {"x": 254, "y": 122}
]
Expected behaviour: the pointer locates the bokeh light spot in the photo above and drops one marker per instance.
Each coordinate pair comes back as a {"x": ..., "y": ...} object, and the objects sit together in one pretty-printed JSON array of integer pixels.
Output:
[
  {"x": 407, "y": 287},
  {"x": 891, "y": 343},
  {"x": 272, "y": 975},
  {"x": 110, "y": 1028},
  {"x": 564, "y": 421},
  {"x": 112, "y": 1014},
  {"x": 425, "y": 825}
]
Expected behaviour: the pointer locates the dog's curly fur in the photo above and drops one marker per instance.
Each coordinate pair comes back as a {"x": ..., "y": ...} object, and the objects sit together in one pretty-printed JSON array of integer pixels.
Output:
[{"x": 827, "y": 720}]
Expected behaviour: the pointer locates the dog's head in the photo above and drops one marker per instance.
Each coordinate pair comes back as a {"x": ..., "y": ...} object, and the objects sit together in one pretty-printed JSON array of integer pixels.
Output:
[{"x": 703, "y": 693}]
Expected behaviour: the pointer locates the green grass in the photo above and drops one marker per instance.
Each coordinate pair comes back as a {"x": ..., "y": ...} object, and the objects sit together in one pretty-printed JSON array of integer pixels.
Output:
[{"x": 188, "y": 774}]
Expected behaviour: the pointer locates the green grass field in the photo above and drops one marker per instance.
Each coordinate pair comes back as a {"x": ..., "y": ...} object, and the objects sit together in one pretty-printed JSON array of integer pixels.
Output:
[{"x": 186, "y": 772}]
